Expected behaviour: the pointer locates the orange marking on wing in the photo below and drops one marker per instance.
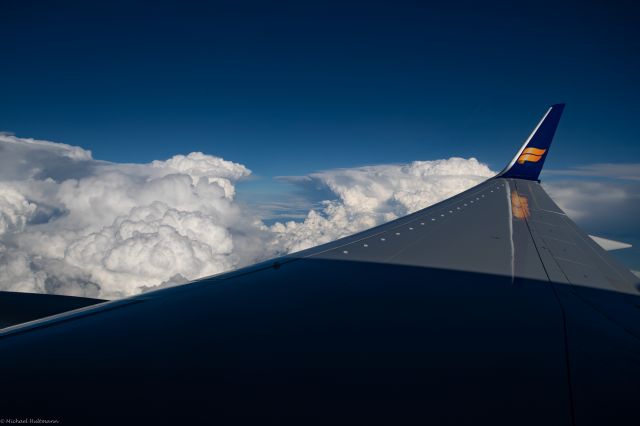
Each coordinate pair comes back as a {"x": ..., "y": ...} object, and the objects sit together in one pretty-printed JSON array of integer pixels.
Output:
[{"x": 519, "y": 206}]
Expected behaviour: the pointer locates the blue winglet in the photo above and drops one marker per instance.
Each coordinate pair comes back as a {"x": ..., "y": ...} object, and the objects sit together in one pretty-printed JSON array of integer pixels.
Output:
[{"x": 528, "y": 162}]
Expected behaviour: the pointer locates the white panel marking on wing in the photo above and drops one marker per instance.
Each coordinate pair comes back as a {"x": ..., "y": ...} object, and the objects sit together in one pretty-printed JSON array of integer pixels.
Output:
[{"x": 510, "y": 219}]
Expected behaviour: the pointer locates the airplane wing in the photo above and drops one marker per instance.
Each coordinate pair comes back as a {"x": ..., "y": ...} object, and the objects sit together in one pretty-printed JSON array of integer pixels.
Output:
[{"x": 491, "y": 306}]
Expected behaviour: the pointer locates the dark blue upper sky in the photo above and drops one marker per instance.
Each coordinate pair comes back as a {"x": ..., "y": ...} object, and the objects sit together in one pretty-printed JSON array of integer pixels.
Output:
[{"x": 289, "y": 88}]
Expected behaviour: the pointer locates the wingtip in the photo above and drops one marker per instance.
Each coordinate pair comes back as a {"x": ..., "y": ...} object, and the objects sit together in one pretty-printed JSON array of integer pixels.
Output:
[{"x": 528, "y": 162}]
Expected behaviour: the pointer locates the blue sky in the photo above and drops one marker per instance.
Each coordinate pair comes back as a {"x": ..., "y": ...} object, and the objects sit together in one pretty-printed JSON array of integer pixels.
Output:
[{"x": 289, "y": 88}]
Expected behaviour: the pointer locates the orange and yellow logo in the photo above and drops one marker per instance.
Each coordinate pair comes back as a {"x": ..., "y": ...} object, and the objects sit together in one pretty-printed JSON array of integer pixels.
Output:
[{"x": 531, "y": 154}]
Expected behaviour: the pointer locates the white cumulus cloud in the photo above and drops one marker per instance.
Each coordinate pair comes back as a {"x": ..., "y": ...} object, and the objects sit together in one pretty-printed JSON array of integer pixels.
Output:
[
  {"x": 70, "y": 224},
  {"x": 368, "y": 196}
]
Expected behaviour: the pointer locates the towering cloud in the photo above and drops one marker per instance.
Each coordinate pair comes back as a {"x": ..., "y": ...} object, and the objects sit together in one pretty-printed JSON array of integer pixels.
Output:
[
  {"x": 70, "y": 224},
  {"x": 368, "y": 196}
]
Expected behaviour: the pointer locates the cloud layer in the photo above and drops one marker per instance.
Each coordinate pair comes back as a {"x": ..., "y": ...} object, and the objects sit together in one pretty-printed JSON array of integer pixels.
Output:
[
  {"x": 600, "y": 198},
  {"x": 70, "y": 224}
]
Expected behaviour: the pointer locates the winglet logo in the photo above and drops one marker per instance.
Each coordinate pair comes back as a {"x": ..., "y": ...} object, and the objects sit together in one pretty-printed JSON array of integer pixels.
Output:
[{"x": 531, "y": 154}]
